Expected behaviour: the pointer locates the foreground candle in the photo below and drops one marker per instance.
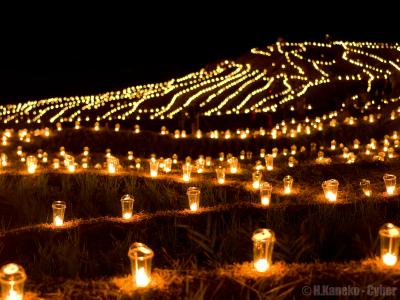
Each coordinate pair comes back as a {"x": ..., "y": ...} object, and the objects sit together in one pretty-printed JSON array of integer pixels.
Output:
[
  {"x": 58, "y": 212},
  {"x": 263, "y": 245},
  {"x": 194, "y": 198},
  {"x": 390, "y": 242},
  {"x": 140, "y": 257},
  {"x": 127, "y": 206},
  {"x": 12, "y": 280},
  {"x": 330, "y": 188}
]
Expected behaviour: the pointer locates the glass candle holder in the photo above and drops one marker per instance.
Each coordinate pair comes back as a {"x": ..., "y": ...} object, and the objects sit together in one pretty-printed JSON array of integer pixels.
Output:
[
  {"x": 31, "y": 164},
  {"x": 97, "y": 126},
  {"x": 117, "y": 127},
  {"x": 130, "y": 155},
  {"x": 242, "y": 155},
  {"x": 287, "y": 184},
  {"x": 265, "y": 193},
  {"x": 330, "y": 188},
  {"x": 389, "y": 235},
  {"x": 167, "y": 165},
  {"x": 140, "y": 257},
  {"x": 137, "y": 163},
  {"x": 127, "y": 206},
  {"x": 58, "y": 212},
  {"x": 200, "y": 163},
  {"x": 233, "y": 165},
  {"x": 208, "y": 161},
  {"x": 153, "y": 167},
  {"x": 137, "y": 128},
  {"x": 366, "y": 187},
  {"x": 193, "y": 194},
  {"x": 12, "y": 280},
  {"x": 112, "y": 164},
  {"x": 69, "y": 162},
  {"x": 256, "y": 179},
  {"x": 269, "y": 162},
  {"x": 390, "y": 183},
  {"x": 186, "y": 171},
  {"x": 263, "y": 245},
  {"x": 56, "y": 163},
  {"x": 262, "y": 153},
  {"x": 220, "y": 174}
]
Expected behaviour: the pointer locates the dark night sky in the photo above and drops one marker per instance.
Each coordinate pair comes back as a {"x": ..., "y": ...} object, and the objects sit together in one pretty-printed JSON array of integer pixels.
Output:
[{"x": 61, "y": 56}]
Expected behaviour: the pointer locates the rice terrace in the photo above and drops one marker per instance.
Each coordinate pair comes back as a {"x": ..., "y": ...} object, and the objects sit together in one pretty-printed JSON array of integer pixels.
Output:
[{"x": 269, "y": 176}]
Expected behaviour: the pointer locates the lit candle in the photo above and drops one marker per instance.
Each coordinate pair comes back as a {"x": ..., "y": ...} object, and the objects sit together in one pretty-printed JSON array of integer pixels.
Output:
[
  {"x": 233, "y": 164},
  {"x": 390, "y": 183},
  {"x": 186, "y": 171},
  {"x": 390, "y": 243},
  {"x": 256, "y": 179},
  {"x": 31, "y": 163},
  {"x": 263, "y": 243},
  {"x": 58, "y": 212},
  {"x": 265, "y": 193},
  {"x": 220, "y": 174},
  {"x": 127, "y": 206},
  {"x": 142, "y": 280},
  {"x": 366, "y": 187},
  {"x": 330, "y": 188},
  {"x": 193, "y": 194},
  {"x": 12, "y": 280},
  {"x": 269, "y": 162},
  {"x": 153, "y": 168},
  {"x": 140, "y": 257},
  {"x": 287, "y": 184}
]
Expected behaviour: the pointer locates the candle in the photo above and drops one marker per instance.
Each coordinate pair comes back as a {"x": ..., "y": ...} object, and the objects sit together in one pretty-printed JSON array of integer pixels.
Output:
[
  {"x": 269, "y": 162},
  {"x": 31, "y": 163},
  {"x": 140, "y": 257},
  {"x": 366, "y": 187},
  {"x": 186, "y": 171},
  {"x": 127, "y": 206},
  {"x": 265, "y": 193},
  {"x": 287, "y": 184},
  {"x": 390, "y": 243},
  {"x": 256, "y": 179},
  {"x": 12, "y": 280},
  {"x": 390, "y": 183},
  {"x": 263, "y": 243},
  {"x": 233, "y": 164},
  {"x": 193, "y": 194},
  {"x": 58, "y": 212},
  {"x": 330, "y": 188},
  {"x": 153, "y": 167},
  {"x": 220, "y": 174}
]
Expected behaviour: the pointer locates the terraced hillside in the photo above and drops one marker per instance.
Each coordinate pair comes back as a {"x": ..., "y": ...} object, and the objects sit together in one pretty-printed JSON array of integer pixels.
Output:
[{"x": 295, "y": 76}]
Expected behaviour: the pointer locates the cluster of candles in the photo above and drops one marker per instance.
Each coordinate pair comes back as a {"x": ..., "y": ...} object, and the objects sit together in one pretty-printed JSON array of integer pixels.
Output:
[{"x": 13, "y": 276}]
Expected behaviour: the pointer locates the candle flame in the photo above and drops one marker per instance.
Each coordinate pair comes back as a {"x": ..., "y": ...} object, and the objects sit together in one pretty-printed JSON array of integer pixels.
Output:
[
  {"x": 58, "y": 221},
  {"x": 389, "y": 259},
  {"x": 193, "y": 206},
  {"x": 261, "y": 265},
  {"x": 265, "y": 201},
  {"x": 142, "y": 279}
]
